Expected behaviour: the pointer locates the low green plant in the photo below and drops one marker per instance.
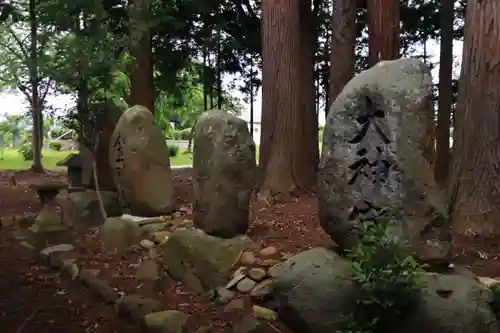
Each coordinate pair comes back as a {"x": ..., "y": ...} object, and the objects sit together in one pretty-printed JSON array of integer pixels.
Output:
[
  {"x": 386, "y": 277},
  {"x": 26, "y": 150},
  {"x": 173, "y": 150}
]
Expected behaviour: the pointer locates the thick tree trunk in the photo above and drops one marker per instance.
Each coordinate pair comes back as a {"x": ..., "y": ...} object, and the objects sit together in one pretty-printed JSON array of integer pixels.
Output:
[
  {"x": 142, "y": 90},
  {"x": 283, "y": 157},
  {"x": 383, "y": 30},
  {"x": 36, "y": 111},
  {"x": 475, "y": 186},
  {"x": 442, "y": 162},
  {"x": 342, "y": 57},
  {"x": 308, "y": 33}
]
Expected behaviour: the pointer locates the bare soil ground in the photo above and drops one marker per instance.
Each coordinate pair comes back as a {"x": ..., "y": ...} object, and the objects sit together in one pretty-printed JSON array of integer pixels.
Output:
[{"x": 37, "y": 299}]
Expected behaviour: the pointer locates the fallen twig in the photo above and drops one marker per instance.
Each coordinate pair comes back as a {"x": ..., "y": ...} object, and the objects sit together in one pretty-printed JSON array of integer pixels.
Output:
[{"x": 28, "y": 319}]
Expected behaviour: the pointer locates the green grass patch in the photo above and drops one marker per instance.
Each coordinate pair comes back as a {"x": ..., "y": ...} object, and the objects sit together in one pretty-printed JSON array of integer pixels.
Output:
[{"x": 13, "y": 160}]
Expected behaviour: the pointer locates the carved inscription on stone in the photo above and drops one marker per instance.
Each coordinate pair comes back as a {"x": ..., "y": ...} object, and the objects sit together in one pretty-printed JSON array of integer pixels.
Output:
[
  {"x": 119, "y": 167},
  {"x": 372, "y": 164}
]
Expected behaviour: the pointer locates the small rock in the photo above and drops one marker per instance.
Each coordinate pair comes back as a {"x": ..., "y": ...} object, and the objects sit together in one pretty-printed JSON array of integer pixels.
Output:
[
  {"x": 186, "y": 223},
  {"x": 238, "y": 275},
  {"x": 56, "y": 259},
  {"x": 160, "y": 237},
  {"x": 262, "y": 289},
  {"x": 186, "y": 209},
  {"x": 269, "y": 262},
  {"x": 247, "y": 258},
  {"x": 235, "y": 305},
  {"x": 487, "y": 281},
  {"x": 224, "y": 295},
  {"x": 153, "y": 253},
  {"x": 89, "y": 272},
  {"x": 257, "y": 273},
  {"x": 177, "y": 215},
  {"x": 263, "y": 313},
  {"x": 154, "y": 227},
  {"x": 137, "y": 306},
  {"x": 147, "y": 244},
  {"x": 148, "y": 270},
  {"x": 170, "y": 321},
  {"x": 245, "y": 285},
  {"x": 268, "y": 251},
  {"x": 100, "y": 286},
  {"x": 70, "y": 268},
  {"x": 57, "y": 248}
]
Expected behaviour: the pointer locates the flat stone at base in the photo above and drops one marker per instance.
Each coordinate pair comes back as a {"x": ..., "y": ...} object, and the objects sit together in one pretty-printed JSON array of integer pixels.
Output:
[
  {"x": 56, "y": 254},
  {"x": 41, "y": 236},
  {"x": 57, "y": 248},
  {"x": 170, "y": 321}
]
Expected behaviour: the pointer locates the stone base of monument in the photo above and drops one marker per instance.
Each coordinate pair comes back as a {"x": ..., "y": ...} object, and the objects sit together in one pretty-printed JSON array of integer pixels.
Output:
[
  {"x": 40, "y": 235},
  {"x": 48, "y": 228}
]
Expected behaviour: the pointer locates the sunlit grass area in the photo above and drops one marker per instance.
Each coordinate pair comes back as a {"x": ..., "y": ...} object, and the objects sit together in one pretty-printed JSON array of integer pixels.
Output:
[{"x": 11, "y": 159}]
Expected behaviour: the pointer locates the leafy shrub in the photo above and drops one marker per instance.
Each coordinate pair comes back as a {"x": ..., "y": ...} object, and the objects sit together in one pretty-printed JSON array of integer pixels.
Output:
[
  {"x": 55, "y": 145},
  {"x": 26, "y": 150},
  {"x": 387, "y": 280},
  {"x": 185, "y": 134},
  {"x": 173, "y": 150}
]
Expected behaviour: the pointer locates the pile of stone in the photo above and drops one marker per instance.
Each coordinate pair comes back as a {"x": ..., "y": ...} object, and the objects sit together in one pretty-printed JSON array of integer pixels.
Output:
[{"x": 253, "y": 278}]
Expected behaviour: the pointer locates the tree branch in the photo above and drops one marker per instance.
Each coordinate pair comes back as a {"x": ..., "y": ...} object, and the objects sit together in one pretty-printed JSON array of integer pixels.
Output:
[
  {"x": 19, "y": 43},
  {"x": 47, "y": 87},
  {"x": 13, "y": 51},
  {"x": 25, "y": 90}
]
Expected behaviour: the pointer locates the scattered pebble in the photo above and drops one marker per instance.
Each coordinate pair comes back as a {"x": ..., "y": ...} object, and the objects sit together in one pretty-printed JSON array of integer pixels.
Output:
[
  {"x": 247, "y": 258},
  {"x": 268, "y": 251}
]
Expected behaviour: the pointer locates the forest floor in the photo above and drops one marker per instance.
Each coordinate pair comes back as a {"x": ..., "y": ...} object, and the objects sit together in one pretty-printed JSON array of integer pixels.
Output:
[{"x": 37, "y": 299}]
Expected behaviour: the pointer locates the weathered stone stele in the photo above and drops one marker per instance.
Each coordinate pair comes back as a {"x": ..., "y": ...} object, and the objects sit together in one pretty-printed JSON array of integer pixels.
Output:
[
  {"x": 141, "y": 163},
  {"x": 377, "y": 154},
  {"x": 224, "y": 173}
]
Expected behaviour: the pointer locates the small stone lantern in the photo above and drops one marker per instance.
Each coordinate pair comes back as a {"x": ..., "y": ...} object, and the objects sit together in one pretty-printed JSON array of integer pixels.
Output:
[
  {"x": 48, "y": 228},
  {"x": 73, "y": 163}
]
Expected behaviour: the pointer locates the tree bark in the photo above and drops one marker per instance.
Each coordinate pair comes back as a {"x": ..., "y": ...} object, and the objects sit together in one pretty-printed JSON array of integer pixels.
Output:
[
  {"x": 308, "y": 36},
  {"x": 283, "y": 158},
  {"x": 474, "y": 182},
  {"x": 36, "y": 111},
  {"x": 342, "y": 56},
  {"x": 442, "y": 162},
  {"x": 383, "y": 30},
  {"x": 142, "y": 90}
]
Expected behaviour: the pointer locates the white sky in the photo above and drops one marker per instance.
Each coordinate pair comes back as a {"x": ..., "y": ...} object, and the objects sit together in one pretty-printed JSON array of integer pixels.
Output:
[{"x": 15, "y": 103}]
